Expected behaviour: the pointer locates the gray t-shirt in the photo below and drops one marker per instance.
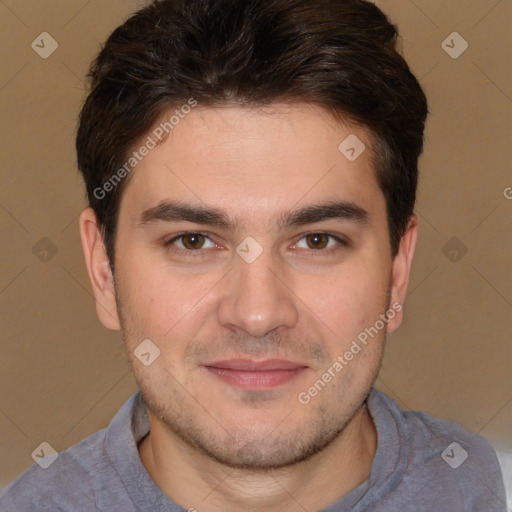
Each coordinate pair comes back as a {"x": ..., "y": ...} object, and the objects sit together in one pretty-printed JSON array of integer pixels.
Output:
[{"x": 422, "y": 464}]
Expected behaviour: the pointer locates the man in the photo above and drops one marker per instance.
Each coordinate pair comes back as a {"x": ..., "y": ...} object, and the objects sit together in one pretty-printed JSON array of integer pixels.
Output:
[{"x": 251, "y": 169}]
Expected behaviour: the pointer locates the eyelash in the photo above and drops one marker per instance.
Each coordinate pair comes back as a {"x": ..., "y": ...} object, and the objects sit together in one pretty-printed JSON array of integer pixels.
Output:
[
  {"x": 187, "y": 252},
  {"x": 201, "y": 252}
]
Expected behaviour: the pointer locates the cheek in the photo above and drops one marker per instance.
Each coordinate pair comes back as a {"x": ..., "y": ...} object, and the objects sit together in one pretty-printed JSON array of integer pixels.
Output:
[
  {"x": 348, "y": 300},
  {"x": 159, "y": 301}
]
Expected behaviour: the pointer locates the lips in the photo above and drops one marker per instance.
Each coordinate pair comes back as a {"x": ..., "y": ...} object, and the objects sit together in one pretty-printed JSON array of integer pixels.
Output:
[
  {"x": 249, "y": 365},
  {"x": 256, "y": 375}
]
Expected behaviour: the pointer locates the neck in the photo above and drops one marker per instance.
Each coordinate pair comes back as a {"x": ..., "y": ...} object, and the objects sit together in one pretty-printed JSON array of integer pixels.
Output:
[{"x": 197, "y": 482}]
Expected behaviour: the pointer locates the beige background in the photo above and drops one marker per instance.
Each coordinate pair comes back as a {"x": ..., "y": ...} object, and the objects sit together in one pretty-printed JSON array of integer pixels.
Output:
[{"x": 63, "y": 376}]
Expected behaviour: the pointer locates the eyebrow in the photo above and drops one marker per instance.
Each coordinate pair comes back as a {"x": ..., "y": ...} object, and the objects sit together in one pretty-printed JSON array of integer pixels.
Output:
[
  {"x": 170, "y": 211},
  {"x": 337, "y": 210}
]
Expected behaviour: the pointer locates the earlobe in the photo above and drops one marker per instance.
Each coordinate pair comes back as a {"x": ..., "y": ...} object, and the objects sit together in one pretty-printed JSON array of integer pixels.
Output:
[
  {"x": 98, "y": 267},
  {"x": 401, "y": 270}
]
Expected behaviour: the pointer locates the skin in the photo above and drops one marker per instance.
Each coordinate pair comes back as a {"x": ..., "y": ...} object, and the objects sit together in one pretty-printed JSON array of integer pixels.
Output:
[{"x": 212, "y": 445}]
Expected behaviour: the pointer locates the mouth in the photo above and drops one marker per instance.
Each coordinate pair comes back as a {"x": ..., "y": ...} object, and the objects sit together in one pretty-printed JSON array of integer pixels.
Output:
[{"x": 255, "y": 375}]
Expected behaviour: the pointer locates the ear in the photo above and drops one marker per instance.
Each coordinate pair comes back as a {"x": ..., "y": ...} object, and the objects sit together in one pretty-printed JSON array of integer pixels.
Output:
[
  {"x": 400, "y": 272},
  {"x": 99, "y": 270}
]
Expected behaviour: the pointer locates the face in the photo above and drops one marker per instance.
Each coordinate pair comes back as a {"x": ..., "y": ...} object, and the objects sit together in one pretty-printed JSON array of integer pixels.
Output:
[{"x": 254, "y": 254}]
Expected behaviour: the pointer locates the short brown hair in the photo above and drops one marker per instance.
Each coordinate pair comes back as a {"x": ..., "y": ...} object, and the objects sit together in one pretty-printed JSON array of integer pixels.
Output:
[{"x": 339, "y": 54}]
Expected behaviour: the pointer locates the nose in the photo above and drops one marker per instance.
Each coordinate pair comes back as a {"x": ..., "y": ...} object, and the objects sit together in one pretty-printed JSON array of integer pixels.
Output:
[{"x": 256, "y": 298}]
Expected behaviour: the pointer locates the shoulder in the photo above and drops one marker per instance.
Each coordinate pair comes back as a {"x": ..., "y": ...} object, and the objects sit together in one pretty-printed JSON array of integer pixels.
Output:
[
  {"x": 84, "y": 477},
  {"x": 447, "y": 459},
  {"x": 66, "y": 484},
  {"x": 438, "y": 438}
]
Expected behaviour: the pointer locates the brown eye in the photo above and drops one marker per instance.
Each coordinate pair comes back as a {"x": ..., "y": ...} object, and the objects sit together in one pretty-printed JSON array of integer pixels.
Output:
[
  {"x": 317, "y": 240},
  {"x": 193, "y": 241}
]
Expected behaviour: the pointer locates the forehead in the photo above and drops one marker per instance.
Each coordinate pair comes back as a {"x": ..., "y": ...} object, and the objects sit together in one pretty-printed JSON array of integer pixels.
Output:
[{"x": 256, "y": 162}]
